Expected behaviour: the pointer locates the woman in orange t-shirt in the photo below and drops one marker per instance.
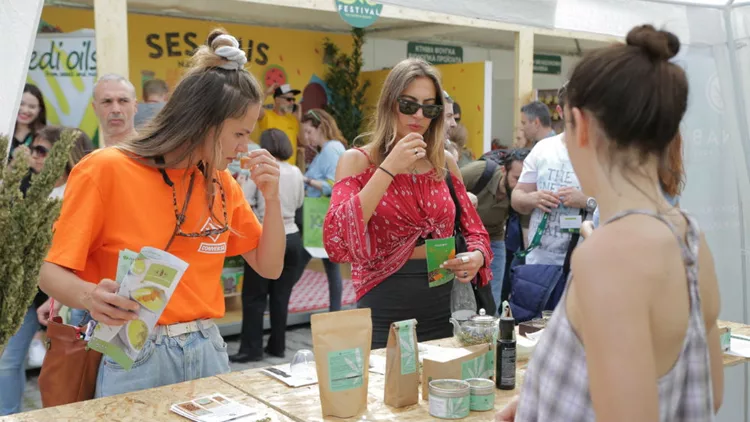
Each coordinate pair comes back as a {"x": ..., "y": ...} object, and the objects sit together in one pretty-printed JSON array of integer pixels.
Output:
[{"x": 169, "y": 189}]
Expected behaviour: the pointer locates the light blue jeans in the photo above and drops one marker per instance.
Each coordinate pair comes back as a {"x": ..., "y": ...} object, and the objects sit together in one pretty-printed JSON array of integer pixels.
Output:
[
  {"x": 13, "y": 364},
  {"x": 166, "y": 360},
  {"x": 498, "y": 271}
]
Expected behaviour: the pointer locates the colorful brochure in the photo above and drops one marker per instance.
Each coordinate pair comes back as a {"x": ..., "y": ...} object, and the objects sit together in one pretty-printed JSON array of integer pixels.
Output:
[
  {"x": 216, "y": 408},
  {"x": 150, "y": 280},
  {"x": 439, "y": 251}
]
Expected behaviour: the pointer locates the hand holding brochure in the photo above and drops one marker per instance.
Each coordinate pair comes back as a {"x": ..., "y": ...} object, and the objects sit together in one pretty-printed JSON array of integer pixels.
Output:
[{"x": 150, "y": 280}]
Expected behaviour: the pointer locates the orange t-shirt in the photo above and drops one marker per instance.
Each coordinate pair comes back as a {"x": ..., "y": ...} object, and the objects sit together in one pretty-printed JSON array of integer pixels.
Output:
[{"x": 113, "y": 202}]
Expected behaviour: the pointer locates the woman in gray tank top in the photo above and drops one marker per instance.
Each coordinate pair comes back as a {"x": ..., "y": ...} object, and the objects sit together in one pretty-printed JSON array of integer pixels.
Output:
[{"x": 635, "y": 336}]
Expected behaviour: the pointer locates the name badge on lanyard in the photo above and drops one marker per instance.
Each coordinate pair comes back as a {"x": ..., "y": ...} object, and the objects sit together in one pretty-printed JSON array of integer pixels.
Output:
[{"x": 570, "y": 223}]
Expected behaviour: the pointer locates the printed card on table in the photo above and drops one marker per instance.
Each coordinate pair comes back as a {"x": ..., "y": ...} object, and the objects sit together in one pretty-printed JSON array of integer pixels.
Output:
[
  {"x": 216, "y": 408},
  {"x": 150, "y": 280}
]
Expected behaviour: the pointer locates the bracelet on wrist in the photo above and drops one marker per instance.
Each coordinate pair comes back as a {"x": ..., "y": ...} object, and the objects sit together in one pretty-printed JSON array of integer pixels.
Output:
[{"x": 387, "y": 172}]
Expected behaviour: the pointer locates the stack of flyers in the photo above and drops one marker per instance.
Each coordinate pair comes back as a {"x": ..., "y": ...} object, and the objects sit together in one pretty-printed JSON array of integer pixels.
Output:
[
  {"x": 216, "y": 408},
  {"x": 150, "y": 279}
]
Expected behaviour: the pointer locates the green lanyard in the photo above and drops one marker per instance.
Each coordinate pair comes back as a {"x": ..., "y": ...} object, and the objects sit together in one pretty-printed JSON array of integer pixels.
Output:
[{"x": 537, "y": 240}]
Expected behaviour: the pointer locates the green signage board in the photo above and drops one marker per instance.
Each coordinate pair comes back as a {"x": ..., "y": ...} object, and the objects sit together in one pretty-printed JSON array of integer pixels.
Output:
[
  {"x": 359, "y": 13},
  {"x": 548, "y": 64},
  {"x": 435, "y": 53}
]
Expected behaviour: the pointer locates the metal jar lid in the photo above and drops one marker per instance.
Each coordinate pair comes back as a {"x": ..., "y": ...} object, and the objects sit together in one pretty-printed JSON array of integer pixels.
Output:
[
  {"x": 484, "y": 319},
  {"x": 481, "y": 386},
  {"x": 449, "y": 388}
]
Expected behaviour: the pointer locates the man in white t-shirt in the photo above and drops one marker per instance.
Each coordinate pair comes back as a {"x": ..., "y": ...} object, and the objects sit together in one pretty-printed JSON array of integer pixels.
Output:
[{"x": 548, "y": 184}]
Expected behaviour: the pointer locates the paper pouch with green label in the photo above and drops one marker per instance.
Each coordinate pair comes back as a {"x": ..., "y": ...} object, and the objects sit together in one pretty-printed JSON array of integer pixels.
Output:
[
  {"x": 341, "y": 345},
  {"x": 438, "y": 251},
  {"x": 402, "y": 365}
]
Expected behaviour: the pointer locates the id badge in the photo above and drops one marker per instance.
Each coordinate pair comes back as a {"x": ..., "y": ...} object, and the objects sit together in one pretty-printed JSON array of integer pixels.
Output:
[{"x": 570, "y": 223}]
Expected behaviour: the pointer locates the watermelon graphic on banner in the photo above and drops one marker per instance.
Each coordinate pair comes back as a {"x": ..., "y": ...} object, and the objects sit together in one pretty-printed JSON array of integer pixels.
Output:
[{"x": 275, "y": 74}]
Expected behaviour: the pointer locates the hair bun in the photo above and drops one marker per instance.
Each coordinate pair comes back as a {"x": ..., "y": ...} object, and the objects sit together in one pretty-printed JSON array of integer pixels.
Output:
[
  {"x": 660, "y": 45},
  {"x": 227, "y": 48}
]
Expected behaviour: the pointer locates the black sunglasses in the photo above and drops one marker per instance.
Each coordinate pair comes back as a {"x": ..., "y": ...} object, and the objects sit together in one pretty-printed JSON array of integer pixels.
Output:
[
  {"x": 409, "y": 108},
  {"x": 289, "y": 99},
  {"x": 39, "y": 150}
]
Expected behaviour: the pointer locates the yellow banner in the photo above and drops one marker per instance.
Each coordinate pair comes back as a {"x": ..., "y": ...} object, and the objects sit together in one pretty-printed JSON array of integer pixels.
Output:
[{"x": 161, "y": 46}]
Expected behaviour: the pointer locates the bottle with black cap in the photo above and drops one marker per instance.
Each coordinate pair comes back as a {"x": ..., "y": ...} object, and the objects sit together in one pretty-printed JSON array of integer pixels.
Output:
[{"x": 505, "y": 358}]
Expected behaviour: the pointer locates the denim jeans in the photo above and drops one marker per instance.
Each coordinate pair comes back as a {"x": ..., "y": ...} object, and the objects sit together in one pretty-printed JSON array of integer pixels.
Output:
[
  {"x": 498, "y": 271},
  {"x": 13, "y": 364},
  {"x": 166, "y": 360},
  {"x": 335, "y": 283}
]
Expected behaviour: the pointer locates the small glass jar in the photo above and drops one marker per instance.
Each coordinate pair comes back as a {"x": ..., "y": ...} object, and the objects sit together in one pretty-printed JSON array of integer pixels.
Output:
[
  {"x": 450, "y": 399},
  {"x": 482, "y": 395}
]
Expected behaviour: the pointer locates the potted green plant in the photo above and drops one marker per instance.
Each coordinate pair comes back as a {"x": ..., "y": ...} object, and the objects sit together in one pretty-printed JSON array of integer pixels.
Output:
[
  {"x": 26, "y": 230},
  {"x": 346, "y": 89}
]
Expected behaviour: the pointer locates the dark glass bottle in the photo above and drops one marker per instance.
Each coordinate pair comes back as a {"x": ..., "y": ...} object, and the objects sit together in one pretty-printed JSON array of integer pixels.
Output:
[{"x": 505, "y": 358}]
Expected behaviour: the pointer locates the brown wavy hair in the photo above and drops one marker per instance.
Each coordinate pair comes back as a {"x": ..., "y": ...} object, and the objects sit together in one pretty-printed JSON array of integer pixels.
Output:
[
  {"x": 672, "y": 170},
  {"x": 205, "y": 98},
  {"x": 382, "y": 135},
  {"x": 320, "y": 119}
]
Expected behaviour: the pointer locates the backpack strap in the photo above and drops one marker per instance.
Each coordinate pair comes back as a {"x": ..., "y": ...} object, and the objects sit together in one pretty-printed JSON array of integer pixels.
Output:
[{"x": 484, "y": 179}]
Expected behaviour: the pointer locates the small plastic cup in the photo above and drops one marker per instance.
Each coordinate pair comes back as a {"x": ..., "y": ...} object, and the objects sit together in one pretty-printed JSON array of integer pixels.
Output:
[{"x": 303, "y": 364}]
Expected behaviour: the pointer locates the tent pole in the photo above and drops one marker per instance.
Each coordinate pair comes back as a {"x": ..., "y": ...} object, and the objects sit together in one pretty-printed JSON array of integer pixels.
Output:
[
  {"x": 743, "y": 185},
  {"x": 524, "y": 74},
  {"x": 111, "y": 22}
]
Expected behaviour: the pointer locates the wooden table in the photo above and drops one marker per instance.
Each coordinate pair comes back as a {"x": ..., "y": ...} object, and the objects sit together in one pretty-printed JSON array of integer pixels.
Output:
[
  {"x": 736, "y": 328},
  {"x": 146, "y": 405},
  {"x": 283, "y": 404},
  {"x": 303, "y": 404}
]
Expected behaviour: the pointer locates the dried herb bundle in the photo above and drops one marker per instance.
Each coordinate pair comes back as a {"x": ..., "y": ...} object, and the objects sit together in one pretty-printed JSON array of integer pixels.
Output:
[{"x": 26, "y": 230}]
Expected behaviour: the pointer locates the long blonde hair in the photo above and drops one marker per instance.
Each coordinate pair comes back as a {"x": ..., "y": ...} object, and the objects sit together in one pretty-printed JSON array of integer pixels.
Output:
[
  {"x": 382, "y": 133},
  {"x": 204, "y": 99}
]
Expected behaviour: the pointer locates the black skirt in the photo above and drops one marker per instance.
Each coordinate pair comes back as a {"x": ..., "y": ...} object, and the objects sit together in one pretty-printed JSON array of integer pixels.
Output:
[{"x": 406, "y": 295}]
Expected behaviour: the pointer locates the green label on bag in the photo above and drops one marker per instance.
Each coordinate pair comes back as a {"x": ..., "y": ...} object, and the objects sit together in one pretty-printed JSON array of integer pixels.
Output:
[
  {"x": 346, "y": 369},
  {"x": 439, "y": 251},
  {"x": 482, "y": 403},
  {"x": 479, "y": 367},
  {"x": 405, "y": 330}
]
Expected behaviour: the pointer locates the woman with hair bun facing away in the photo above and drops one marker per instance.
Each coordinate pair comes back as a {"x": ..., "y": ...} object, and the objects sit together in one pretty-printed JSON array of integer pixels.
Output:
[
  {"x": 635, "y": 336},
  {"x": 169, "y": 188}
]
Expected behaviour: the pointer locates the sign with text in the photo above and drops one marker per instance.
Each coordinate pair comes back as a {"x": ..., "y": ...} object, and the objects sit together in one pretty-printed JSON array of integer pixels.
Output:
[
  {"x": 548, "y": 64},
  {"x": 434, "y": 53},
  {"x": 359, "y": 13}
]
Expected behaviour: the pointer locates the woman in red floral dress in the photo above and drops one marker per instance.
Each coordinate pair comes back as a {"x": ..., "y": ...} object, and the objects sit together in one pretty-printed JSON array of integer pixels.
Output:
[{"x": 390, "y": 196}]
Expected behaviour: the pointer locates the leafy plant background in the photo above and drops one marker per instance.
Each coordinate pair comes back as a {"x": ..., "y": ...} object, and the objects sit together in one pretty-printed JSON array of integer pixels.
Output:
[
  {"x": 26, "y": 230},
  {"x": 347, "y": 92}
]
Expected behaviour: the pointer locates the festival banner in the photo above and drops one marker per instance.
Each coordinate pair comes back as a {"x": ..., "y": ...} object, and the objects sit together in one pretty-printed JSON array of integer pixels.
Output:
[
  {"x": 63, "y": 66},
  {"x": 160, "y": 47}
]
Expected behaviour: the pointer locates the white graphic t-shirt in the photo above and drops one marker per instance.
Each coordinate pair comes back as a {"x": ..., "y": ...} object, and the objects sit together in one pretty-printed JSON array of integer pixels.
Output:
[{"x": 548, "y": 166}]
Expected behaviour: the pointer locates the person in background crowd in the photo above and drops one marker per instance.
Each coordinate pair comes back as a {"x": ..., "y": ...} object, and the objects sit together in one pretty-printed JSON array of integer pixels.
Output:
[
  {"x": 321, "y": 132},
  {"x": 130, "y": 196},
  {"x": 32, "y": 116},
  {"x": 155, "y": 95},
  {"x": 536, "y": 123},
  {"x": 285, "y": 115},
  {"x": 519, "y": 140},
  {"x": 496, "y": 144},
  {"x": 548, "y": 185},
  {"x": 13, "y": 359},
  {"x": 459, "y": 136},
  {"x": 457, "y": 112},
  {"x": 450, "y": 119},
  {"x": 492, "y": 179},
  {"x": 259, "y": 291},
  {"x": 115, "y": 107},
  {"x": 643, "y": 288},
  {"x": 393, "y": 194}
]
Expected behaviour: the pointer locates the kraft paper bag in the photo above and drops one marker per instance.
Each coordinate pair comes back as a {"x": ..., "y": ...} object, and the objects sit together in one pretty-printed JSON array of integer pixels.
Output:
[
  {"x": 402, "y": 365},
  {"x": 478, "y": 362},
  {"x": 341, "y": 344}
]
